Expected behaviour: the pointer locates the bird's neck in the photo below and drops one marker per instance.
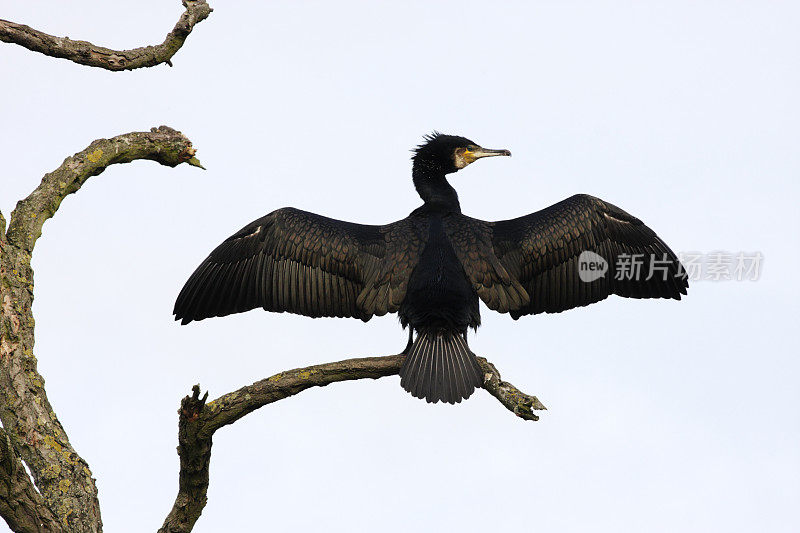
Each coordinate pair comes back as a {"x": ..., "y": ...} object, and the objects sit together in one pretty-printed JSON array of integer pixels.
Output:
[{"x": 433, "y": 188}]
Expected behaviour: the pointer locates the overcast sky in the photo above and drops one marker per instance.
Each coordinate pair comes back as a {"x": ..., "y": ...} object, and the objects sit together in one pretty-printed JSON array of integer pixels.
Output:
[{"x": 663, "y": 416}]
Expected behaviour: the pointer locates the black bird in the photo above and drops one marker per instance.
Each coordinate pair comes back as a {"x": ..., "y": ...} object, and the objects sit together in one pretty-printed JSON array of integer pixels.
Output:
[{"x": 432, "y": 267}]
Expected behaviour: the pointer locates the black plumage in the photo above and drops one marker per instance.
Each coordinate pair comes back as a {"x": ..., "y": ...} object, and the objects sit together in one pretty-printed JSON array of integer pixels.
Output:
[{"x": 432, "y": 267}]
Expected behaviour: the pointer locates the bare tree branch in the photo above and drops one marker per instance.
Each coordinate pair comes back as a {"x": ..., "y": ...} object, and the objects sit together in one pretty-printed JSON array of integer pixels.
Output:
[
  {"x": 512, "y": 398},
  {"x": 163, "y": 145},
  {"x": 198, "y": 420},
  {"x": 63, "y": 478},
  {"x": 91, "y": 55},
  {"x": 20, "y": 504}
]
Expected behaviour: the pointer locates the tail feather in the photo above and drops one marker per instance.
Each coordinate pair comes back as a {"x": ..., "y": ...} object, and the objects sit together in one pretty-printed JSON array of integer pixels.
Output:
[{"x": 440, "y": 366}]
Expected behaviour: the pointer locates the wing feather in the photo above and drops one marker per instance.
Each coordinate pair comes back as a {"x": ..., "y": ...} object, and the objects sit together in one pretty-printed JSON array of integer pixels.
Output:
[
  {"x": 299, "y": 262},
  {"x": 542, "y": 251},
  {"x": 472, "y": 243}
]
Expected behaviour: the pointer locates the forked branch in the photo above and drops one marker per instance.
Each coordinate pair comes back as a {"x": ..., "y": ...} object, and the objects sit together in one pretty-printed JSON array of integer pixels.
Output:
[
  {"x": 91, "y": 55},
  {"x": 199, "y": 420}
]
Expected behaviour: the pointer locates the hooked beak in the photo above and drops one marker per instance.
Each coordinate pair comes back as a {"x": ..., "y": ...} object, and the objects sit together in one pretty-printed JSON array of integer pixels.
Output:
[
  {"x": 464, "y": 156},
  {"x": 488, "y": 152}
]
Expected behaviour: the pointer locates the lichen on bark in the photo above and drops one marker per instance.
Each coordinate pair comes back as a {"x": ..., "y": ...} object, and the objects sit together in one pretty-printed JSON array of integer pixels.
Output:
[
  {"x": 86, "y": 53},
  {"x": 66, "y": 490}
]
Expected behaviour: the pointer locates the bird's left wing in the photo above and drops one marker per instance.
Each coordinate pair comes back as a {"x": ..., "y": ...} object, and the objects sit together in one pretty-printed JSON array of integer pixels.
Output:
[
  {"x": 558, "y": 255},
  {"x": 300, "y": 262}
]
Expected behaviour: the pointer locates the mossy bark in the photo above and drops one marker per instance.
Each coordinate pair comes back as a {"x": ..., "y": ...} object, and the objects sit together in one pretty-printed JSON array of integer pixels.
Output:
[
  {"x": 32, "y": 430},
  {"x": 86, "y": 53}
]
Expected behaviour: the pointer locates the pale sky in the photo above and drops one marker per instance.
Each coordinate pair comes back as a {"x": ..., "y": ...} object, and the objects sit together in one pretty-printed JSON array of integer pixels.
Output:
[{"x": 663, "y": 416}]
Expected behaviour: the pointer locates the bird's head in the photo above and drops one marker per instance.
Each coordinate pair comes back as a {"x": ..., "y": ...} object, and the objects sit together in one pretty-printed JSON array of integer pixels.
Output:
[{"x": 449, "y": 153}]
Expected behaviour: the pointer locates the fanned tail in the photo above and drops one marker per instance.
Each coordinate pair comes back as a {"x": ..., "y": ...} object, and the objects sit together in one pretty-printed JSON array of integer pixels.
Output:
[{"x": 440, "y": 366}]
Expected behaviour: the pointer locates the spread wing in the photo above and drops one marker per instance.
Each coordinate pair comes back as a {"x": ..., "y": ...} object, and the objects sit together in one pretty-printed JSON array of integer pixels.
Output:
[
  {"x": 299, "y": 262},
  {"x": 542, "y": 252}
]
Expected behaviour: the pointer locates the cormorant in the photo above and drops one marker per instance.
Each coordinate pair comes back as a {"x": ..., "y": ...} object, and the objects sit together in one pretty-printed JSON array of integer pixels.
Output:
[{"x": 432, "y": 267}]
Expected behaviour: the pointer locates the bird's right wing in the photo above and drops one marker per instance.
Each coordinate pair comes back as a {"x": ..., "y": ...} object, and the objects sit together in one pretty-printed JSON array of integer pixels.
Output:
[{"x": 299, "y": 262}]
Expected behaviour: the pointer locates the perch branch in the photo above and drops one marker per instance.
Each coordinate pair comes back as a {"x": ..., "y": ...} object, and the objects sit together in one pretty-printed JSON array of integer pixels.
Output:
[
  {"x": 512, "y": 398},
  {"x": 85, "y": 53},
  {"x": 62, "y": 477},
  {"x": 198, "y": 420}
]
